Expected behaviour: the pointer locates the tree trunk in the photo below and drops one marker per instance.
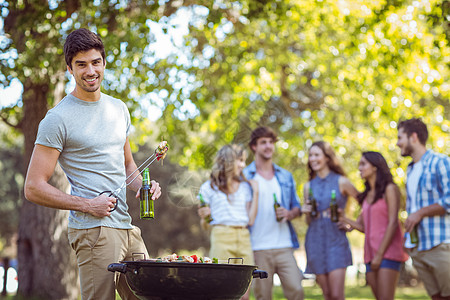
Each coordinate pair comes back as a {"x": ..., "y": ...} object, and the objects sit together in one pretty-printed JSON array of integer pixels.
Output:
[
  {"x": 5, "y": 276},
  {"x": 47, "y": 264}
]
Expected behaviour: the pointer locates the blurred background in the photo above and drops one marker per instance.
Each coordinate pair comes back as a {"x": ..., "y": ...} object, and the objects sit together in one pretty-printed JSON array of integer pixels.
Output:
[{"x": 201, "y": 74}]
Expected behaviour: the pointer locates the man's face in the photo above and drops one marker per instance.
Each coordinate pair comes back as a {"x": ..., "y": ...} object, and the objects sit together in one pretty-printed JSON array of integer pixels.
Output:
[
  {"x": 264, "y": 148},
  {"x": 404, "y": 143},
  {"x": 87, "y": 69}
]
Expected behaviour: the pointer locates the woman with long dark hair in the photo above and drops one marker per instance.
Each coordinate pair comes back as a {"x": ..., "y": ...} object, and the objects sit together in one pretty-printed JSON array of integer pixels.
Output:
[
  {"x": 383, "y": 245},
  {"x": 327, "y": 248}
]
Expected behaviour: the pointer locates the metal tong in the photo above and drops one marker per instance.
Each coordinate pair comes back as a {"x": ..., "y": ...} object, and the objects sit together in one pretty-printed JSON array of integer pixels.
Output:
[{"x": 156, "y": 156}]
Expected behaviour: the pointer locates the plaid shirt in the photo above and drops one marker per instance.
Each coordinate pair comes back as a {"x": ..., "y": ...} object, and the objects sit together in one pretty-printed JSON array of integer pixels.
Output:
[{"x": 433, "y": 187}]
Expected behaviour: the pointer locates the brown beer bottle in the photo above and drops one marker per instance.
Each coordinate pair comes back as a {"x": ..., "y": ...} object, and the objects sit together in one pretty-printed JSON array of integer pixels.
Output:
[{"x": 313, "y": 203}]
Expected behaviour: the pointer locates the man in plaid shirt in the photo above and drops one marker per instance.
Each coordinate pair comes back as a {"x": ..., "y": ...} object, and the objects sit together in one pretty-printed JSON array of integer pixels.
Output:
[{"x": 428, "y": 207}]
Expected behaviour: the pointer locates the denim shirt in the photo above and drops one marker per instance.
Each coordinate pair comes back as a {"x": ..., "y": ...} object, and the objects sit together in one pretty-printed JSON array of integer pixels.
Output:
[
  {"x": 289, "y": 197},
  {"x": 433, "y": 187}
]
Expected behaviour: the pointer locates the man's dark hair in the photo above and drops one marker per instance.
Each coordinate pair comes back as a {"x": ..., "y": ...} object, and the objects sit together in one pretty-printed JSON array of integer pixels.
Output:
[
  {"x": 82, "y": 40},
  {"x": 415, "y": 125},
  {"x": 261, "y": 132}
]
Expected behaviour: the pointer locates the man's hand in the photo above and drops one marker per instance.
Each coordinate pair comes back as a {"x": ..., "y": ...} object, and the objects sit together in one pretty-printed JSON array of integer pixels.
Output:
[
  {"x": 101, "y": 206},
  {"x": 155, "y": 190},
  {"x": 284, "y": 214},
  {"x": 412, "y": 220}
]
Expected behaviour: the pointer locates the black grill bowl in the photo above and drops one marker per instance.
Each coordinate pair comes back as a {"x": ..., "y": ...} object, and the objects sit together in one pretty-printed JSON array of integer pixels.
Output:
[{"x": 182, "y": 280}]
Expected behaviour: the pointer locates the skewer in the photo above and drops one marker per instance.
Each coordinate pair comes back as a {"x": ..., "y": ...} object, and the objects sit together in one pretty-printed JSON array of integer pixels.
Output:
[{"x": 161, "y": 154}]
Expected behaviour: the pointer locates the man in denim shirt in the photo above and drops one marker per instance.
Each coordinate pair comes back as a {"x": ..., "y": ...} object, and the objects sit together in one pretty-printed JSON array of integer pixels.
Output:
[
  {"x": 272, "y": 235},
  {"x": 428, "y": 206}
]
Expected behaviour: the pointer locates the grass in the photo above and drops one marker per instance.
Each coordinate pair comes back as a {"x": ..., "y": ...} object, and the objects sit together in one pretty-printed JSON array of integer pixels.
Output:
[
  {"x": 356, "y": 293},
  {"x": 351, "y": 293}
]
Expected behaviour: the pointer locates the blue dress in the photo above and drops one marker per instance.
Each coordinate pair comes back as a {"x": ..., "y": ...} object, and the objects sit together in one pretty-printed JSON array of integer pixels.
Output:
[{"x": 327, "y": 247}]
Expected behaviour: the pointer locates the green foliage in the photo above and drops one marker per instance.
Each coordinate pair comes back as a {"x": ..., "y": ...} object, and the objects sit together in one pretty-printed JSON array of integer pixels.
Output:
[
  {"x": 10, "y": 193},
  {"x": 341, "y": 71},
  {"x": 344, "y": 72}
]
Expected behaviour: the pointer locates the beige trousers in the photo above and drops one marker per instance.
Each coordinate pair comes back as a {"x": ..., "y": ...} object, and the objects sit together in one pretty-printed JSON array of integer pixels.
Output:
[
  {"x": 433, "y": 267},
  {"x": 282, "y": 262},
  {"x": 98, "y": 247}
]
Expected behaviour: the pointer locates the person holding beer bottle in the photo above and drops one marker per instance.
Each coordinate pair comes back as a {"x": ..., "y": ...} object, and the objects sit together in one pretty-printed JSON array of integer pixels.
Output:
[
  {"x": 274, "y": 241},
  {"x": 87, "y": 132},
  {"x": 383, "y": 244},
  {"x": 327, "y": 248},
  {"x": 428, "y": 207},
  {"x": 230, "y": 204}
]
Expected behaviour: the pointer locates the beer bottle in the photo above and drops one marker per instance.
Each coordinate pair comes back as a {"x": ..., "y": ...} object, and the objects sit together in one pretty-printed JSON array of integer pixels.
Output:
[
  {"x": 334, "y": 207},
  {"x": 208, "y": 218},
  {"x": 413, "y": 236},
  {"x": 276, "y": 205},
  {"x": 146, "y": 203},
  {"x": 313, "y": 203}
]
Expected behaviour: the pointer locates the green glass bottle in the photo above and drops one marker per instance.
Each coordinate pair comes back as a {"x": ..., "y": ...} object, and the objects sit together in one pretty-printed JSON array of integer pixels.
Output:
[
  {"x": 146, "y": 203},
  {"x": 413, "y": 236},
  {"x": 276, "y": 205},
  {"x": 334, "y": 207},
  {"x": 313, "y": 203},
  {"x": 208, "y": 218}
]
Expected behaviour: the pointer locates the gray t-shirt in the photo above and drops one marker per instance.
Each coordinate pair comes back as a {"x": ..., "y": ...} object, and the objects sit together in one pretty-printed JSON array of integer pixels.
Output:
[{"x": 91, "y": 138}]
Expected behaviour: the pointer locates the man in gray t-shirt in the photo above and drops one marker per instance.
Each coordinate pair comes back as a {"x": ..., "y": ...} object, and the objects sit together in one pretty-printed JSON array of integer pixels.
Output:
[{"x": 87, "y": 133}]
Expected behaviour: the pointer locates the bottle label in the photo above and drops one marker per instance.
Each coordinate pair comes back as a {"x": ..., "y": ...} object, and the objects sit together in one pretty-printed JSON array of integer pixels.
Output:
[{"x": 146, "y": 203}]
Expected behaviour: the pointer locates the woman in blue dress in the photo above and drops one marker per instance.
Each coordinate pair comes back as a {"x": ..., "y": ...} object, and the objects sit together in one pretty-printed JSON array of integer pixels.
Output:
[{"x": 327, "y": 248}]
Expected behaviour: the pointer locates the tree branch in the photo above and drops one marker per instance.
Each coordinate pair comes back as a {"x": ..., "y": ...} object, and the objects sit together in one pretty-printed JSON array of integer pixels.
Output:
[
  {"x": 304, "y": 96},
  {"x": 4, "y": 116}
]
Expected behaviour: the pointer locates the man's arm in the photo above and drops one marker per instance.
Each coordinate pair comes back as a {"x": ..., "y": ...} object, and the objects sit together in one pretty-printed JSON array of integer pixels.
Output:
[
  {"x": 443, "y": 172},
  {"x": 294, "y": 205},
  {"x": 443, "y": 204},
  {"x": 295, "y": 210},
  {"x": 293, "y": 213},
  {"x": 427, "y": 211},
  {"x": 130, "y": 167},
  {"x": 38, "y": 190}
]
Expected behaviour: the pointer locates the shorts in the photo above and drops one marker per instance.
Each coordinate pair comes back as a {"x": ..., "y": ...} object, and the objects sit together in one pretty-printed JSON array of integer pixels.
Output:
[{"x": 386, "y": 264}]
